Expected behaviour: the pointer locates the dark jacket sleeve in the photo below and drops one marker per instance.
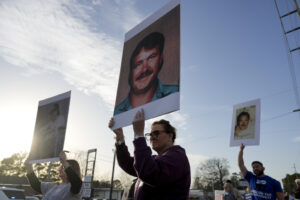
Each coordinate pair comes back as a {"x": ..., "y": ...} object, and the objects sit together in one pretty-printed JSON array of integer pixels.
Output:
[
  {"x": 168, "y": 168},
  {"x": 74, "y": 179},
  {"x": 125, "y": 160},
  {"x": 34, "y": 182}
]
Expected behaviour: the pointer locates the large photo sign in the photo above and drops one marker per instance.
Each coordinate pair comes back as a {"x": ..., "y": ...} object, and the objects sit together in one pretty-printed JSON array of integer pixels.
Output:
[
  {"x": 50, "y": 128},
  {"x": 246, "y": 123},
  {"x": 150, "y": 67}
]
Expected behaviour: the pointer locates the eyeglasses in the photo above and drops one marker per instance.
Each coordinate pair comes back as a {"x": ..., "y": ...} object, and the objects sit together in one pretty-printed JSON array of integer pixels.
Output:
[{"x": 154, "y": 133}]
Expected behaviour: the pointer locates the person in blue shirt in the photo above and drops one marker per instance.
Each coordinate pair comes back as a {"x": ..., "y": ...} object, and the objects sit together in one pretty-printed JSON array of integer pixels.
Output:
[
  {"x": 145, "y": 64},
  {"x": 262, "y": 187}
]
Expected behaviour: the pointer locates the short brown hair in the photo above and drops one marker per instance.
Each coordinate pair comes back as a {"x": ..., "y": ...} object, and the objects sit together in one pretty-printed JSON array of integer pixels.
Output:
[
  {"x": 257, "y": 162},
  {"x": 167, "y": 126}
]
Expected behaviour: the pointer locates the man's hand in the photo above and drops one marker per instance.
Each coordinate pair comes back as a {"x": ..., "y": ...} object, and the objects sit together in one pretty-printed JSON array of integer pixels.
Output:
[
  {"x": 242, "y": 147},
  {"x": 118, "y": 131},
  {"x": 279, "y": 195},
  {"x": 139, "y": 123},
  {"x": 63, "y": 159}
]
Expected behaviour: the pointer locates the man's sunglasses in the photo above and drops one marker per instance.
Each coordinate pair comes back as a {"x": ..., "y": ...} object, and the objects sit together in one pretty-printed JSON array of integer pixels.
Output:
[{"x": 154, "y": 133}]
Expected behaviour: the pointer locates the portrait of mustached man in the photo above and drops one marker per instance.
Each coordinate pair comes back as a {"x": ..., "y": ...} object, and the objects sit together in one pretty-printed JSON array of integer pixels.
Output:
[{"x": 146, "y": 62}]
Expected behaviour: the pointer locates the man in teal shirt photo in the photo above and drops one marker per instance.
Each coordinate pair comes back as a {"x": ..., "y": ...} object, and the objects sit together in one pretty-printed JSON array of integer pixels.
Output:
[{"x": 145, "y": 64}]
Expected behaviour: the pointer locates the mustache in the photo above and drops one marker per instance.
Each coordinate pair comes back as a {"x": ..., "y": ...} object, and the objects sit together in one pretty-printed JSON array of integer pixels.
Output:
[{"x": 144, "y": 74}]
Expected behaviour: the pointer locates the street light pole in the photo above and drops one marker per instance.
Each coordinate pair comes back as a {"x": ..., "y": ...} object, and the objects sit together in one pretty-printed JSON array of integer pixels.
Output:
[{"x": 112, "y": 176}]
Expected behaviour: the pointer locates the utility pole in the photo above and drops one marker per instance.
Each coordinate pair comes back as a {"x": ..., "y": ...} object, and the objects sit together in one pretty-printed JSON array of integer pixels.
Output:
[
  {"x": 297, "y": 7},
  {"x": 112, "y": 176}
]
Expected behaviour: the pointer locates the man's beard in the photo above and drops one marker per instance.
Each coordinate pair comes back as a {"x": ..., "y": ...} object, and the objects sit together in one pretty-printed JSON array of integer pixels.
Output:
[{"x": 259, "y": 173}]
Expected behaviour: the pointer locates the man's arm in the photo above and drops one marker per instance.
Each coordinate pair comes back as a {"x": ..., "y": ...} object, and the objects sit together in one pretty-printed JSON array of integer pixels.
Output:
[
  {"x": 279, "y": 195},
  {"x": 123, "y": 156},
  {"x": 32, "y": 179},
  {"x": 241, "y": 161},
  {"x": 278, "y": 191}
]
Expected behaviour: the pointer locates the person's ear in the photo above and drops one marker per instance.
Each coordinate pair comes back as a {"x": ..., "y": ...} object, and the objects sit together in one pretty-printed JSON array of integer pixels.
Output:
[{"x": 171, "y": 137}]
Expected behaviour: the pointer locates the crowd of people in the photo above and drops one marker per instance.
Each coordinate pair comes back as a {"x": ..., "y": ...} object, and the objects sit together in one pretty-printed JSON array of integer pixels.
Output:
[{"x": 163, "y": 176}]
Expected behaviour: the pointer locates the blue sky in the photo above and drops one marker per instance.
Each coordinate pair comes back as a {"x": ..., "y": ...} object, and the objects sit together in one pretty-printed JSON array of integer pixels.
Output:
[{"x": 231, "y": 52}]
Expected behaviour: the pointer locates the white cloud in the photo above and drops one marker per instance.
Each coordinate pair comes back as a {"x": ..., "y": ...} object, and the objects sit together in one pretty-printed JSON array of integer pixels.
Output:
[
  {"x": 177, "y": 119},
  {"x": 180, "y": 119},
  {"x": 117, "y": 11},
  {"x": 297, "y": 139},
  {"x": 56, "y": 36}
]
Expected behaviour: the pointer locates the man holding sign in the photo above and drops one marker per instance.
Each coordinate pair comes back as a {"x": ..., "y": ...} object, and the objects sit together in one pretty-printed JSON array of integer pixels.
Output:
[{"x": 262, "y": 187}]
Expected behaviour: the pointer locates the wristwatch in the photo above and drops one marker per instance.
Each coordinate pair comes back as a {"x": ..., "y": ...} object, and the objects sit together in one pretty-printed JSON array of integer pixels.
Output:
[
  {"x": 138, "y": 136},
  {"x": 119, "y": 142}
]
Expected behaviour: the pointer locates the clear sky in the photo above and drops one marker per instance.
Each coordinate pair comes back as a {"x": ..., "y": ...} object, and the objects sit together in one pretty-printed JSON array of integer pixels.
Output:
[{"x": 231, "y": 51}]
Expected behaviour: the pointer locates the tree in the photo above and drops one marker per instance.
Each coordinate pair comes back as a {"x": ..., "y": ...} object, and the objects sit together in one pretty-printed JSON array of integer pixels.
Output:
[
  {"x": 14, "y": 165},
  {"x": 211, "y": 173},
  {"x": 235, "y": 178},
  {"x": 289, "y": 184}
]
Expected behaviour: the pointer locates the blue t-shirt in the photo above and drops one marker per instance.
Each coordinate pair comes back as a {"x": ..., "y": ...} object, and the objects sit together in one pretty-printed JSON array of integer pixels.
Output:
[{"x": 263, "y": 188}]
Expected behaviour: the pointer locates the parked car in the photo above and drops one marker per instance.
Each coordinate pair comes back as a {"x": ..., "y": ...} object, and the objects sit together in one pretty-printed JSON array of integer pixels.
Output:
[{"x": 11, "y": 193}]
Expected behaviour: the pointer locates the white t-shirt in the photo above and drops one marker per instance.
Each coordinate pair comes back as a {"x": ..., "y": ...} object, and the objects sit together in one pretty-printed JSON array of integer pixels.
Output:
[
  {"x": 245, "y": 134},
  {"x": 55, "y": 191}
]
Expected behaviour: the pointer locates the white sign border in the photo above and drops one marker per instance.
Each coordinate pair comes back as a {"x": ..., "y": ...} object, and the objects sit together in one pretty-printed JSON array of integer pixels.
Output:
[
  {"x": 152, "y": 18},
  {"x": 172, "y": 101}
]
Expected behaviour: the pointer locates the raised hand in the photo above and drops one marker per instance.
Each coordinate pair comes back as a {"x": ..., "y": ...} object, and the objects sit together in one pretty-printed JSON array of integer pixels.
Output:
[
  {"x": 139, "y": 123},
  {"x": 242, "y": 147},
  {"x": 117, "y": 131}
]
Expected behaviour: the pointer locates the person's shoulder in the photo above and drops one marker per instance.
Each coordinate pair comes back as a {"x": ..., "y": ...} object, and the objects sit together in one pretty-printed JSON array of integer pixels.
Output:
[
  {"x": 250, "y": 175},
  {"x": 46, "y": 186},
  {"x": 176, "y": 151},
  {"x": 176, "y": 148},
  {"x": 269, "y": 178},
  {"x": 49, "y": 184}
]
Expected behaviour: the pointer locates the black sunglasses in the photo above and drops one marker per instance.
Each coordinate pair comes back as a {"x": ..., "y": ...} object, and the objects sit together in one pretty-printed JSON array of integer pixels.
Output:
[{"x": 154, "y": 133}]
